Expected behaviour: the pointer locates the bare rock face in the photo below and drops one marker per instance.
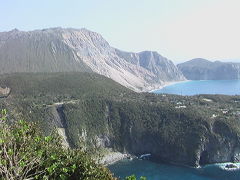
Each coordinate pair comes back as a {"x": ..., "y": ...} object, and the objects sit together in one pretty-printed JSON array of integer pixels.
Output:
[
  {"x": 67, "y": 50},
  {"x": 220, "y": 145},
  {"x": 202, "y": 69},
  {"x": 4, "y": 91},
  {"x": 155, "y": 63}
]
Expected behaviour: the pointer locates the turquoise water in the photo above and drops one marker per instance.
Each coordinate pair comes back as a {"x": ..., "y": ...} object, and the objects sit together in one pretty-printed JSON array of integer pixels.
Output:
[
  {"x": 228, "y": 87},
  {"x": 156, "y": 171}
]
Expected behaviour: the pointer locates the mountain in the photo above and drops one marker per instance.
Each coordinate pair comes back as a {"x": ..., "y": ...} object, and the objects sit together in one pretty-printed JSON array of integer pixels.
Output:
[
  {"x": 153, "y": 62},
  {"x": 202, "y": 69},
  {"x": 95, "y": 113},
  {"x": 81, "y": 50}
]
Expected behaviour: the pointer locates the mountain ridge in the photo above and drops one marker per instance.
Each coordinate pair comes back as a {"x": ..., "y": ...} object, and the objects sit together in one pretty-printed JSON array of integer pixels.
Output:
[
  {"x": 69, "y": 49},
  {"x": 202, "y": 69}
]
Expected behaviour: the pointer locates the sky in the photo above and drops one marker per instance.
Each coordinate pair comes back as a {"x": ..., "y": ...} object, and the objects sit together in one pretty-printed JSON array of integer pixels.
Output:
[{"x": 177, "y": 29}]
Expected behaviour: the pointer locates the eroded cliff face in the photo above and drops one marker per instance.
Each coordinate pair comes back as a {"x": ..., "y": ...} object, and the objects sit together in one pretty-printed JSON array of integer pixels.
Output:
[
  {"x": 212, "y": 147},
  {"x": 81, "y": 50},
  {"x": 59, "y": 122},
  {"x": 216, "y": 146},
  {"x": 168, "y": 138},
  {"x": 222, "y": 145}
]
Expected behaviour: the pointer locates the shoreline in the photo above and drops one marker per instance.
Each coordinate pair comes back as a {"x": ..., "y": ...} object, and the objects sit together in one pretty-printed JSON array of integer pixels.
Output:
[
  {"x": 113, "y": 157},
  {"x": 167, "y": 84}
]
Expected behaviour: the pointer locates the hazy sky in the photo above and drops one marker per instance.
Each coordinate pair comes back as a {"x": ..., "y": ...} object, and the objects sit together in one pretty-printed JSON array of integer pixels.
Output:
[{"x": 178, "y": 29}]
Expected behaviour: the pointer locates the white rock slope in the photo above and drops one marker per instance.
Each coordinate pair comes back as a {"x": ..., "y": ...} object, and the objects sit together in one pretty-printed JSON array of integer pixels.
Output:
[{"x": 65, "y": 50}]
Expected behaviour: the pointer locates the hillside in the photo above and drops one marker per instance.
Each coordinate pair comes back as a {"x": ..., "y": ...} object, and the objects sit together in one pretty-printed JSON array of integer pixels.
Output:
[
  {"x": 202, "y": 69},
  {"x": 81, "y": 50},
  {"x": 94, "y": 112},
  {"x": 26, "y": 153}
]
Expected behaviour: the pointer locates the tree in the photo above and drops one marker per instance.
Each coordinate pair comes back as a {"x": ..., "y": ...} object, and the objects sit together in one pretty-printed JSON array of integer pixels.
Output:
[{"x": 25, "y": 153}]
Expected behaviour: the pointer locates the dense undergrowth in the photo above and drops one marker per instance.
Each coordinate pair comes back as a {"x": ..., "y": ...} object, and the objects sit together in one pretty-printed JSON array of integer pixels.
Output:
[{"x": 27, "y": 154}]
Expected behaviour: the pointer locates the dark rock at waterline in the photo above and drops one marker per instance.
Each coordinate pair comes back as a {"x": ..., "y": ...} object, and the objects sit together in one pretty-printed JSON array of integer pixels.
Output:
[{"x": 231, "y": 166}]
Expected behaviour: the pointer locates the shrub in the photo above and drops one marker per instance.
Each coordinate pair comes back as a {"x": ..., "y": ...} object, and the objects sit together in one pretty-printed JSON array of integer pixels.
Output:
[
  {"x": 133, "y": 177},
  {"x": 26, "y": 154}
]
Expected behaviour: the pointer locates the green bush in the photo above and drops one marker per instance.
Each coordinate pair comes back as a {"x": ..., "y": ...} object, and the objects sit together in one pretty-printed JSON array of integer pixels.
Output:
[
  {"x": 26, "y": 154},
  {"x": 133, "y": 177}
]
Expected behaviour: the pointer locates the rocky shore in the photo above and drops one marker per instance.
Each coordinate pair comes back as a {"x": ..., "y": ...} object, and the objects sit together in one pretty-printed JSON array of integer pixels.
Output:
[{"x": 113, "y": 157}]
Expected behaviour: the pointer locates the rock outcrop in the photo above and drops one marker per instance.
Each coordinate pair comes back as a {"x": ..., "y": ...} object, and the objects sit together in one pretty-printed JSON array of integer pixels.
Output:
[
  {"x": 214, "y": 143},
  {"x": 4, "y": 92},
  {"x": 201, "y": 69},
  {"x": 221, "y": 145},
  {"x": 68, "y": 50}
]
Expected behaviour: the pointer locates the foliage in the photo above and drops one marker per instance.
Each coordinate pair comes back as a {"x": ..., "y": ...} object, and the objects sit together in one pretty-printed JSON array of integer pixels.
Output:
[
  {"x": 27, "y": 154},
  {"x": 97, "y": 109},
  {"x": 133, "y": 177}
]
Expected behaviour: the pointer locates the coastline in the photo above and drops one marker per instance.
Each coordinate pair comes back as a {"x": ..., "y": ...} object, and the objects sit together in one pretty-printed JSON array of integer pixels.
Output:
[
  {"x": 235, "y": 166},
  {"x": 113, "y": 157},
  {"x": 167, "y": 84}
]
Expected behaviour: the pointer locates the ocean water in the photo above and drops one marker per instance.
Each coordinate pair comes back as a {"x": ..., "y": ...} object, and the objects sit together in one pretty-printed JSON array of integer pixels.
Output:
[
  {"x": 228, "y": 87},
  {"x": 157, "y": 171}
]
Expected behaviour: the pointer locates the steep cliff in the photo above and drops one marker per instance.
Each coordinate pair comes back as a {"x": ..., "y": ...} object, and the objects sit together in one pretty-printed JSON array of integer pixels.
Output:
[
  {"x": 155, "y": 63},
  {"x": 94, "y": 112},
  {"x": 81, "y": 50},
  {"x": 201, "y": 69}
]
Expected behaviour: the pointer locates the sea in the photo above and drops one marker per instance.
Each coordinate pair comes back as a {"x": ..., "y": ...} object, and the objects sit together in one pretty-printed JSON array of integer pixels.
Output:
[
  {"x": 160, "y": 171},
  {"x": 227, "y": 87}
]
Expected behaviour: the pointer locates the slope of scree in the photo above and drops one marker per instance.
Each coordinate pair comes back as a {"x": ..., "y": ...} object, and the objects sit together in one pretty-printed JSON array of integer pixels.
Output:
[{"x": 81, "y": 50}]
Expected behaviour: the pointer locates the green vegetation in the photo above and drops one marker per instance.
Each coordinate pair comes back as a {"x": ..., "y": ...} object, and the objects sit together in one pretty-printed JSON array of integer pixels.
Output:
[
  {"x": 96, "y": 113},
  {"x": 133, "y": 177},
  {"x": 25, "y": 153}
]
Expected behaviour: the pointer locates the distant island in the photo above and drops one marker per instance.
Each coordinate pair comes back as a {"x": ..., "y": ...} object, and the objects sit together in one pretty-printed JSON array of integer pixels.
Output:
[{"x": 202, "y": 69}]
